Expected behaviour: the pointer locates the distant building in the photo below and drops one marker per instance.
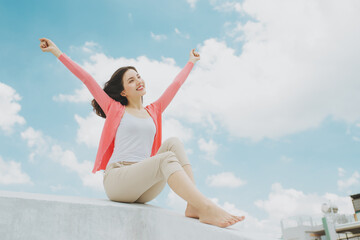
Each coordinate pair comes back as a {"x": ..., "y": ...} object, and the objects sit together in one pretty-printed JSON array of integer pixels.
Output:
[
  {"x": 356, "y": 202},
  {"x": 332, "y": 226}
]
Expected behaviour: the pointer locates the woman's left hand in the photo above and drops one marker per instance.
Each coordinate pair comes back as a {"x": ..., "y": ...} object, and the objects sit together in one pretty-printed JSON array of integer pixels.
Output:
[{"x": 194, "y": 56}]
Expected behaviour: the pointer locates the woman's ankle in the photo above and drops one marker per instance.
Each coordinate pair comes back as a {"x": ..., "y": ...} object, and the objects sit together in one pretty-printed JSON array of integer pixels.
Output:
[{"x": 205, "y": 206}]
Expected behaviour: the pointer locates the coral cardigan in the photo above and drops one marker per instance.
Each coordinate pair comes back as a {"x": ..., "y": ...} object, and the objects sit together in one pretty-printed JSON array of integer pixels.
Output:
[{"x": 114, "y": 110}]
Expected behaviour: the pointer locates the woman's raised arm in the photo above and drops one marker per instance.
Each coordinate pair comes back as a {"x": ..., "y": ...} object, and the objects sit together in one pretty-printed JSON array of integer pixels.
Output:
[
  {"x": 98, "y": 93},
  {"x": 164, "y": 100}
]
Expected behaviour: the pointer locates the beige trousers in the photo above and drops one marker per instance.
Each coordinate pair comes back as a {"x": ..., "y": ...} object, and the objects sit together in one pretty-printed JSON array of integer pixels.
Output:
[{"x": 142, "y": 181}]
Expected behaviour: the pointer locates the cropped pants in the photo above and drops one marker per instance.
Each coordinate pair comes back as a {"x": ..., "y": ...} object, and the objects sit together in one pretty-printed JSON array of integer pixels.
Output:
[{"x": 141, "y": 182}]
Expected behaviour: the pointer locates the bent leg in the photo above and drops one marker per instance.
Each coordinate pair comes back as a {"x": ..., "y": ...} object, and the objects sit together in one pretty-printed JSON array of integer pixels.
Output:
[
  {"x": 128, "y": 183},
  {"x": 182, "y": 185},
  {"x": 175, "y": 145},
  {"x": 152, "y": 192}
]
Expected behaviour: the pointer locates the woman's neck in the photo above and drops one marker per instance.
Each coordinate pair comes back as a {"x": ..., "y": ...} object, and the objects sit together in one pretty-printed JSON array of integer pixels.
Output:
[
  {"x": 138, "y": 107},
  {"x": 135, "y": 104}
]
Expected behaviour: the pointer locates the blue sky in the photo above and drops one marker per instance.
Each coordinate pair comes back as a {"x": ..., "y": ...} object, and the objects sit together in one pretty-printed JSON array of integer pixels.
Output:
[{"x": 269, "y": 115}]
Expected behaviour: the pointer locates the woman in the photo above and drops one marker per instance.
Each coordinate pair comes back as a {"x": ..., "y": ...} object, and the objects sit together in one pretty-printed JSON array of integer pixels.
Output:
[{"x": 137, "y": 166}]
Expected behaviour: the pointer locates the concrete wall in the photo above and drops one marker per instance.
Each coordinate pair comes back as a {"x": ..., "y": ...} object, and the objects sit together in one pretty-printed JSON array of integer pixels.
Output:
[{"x": 36, "y": 217}]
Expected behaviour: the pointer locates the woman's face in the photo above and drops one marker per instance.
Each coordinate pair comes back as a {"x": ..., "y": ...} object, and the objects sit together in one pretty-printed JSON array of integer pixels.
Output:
[{"x": 132, "y": 82}]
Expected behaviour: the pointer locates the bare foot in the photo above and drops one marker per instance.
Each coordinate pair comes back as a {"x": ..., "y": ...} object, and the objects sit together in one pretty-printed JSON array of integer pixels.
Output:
[
  {"x": 215, "y": 215},
  {"x": 191, "y": 212}
]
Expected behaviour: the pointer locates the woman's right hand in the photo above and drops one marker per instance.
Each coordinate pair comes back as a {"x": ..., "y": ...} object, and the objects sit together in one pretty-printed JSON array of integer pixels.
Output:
[{"x": 46, "y": 45}]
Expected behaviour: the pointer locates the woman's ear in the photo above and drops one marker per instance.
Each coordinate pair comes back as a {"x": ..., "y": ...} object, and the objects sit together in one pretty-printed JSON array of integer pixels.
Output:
[{"x": 123, "y": 94}]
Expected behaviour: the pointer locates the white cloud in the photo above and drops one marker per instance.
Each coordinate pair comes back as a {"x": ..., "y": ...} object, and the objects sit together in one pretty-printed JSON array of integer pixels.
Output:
[
  {"x": 225, "y": 179},
  {"x": 226, "y": 6},
  {"x": 341, "y": 172},
  {"x": 11, "y": 173},
  {"x": 89, "y": 129},
  {"x": 44, "y": 146},
  {"x": 177, "y": 31},
  {"x": 209, "y": 148},
  {"x": 284, "y": 203},
  {"x": 289, "y": 71},
  {"x": 81, "y": 95},
  {"x": 159, "y": 37},
  {"x": 35, "y": 141},
  {"x": 346, "y": 184},
  {"x": 286, "y": 159},
  {"x": 9, "y": 108},
  {"x": 192, "y": 3},
  {"x": 174, "y": 128},
  {"x": 91, "y": 47},
  {"x": 68, "y": 160},
  {"x": 356, "y": 139}
]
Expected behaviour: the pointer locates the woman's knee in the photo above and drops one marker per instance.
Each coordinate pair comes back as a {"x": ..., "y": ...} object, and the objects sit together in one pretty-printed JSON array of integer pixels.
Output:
[
  {"x": 169, "y": 157},
  {"x": 174, "y": 141}
]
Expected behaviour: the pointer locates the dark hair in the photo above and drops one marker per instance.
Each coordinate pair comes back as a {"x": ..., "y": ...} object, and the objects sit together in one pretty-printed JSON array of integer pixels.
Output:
[{"x": 113, "y": 88}]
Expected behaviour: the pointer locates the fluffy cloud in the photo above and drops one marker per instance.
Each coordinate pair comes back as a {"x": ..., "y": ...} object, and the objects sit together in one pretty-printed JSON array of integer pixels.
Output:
[
  {"x": 297, "y": 66},
  {"x": 283, "y": 203},
  {"x": 35, "y": 141},
  {"x": 68, "y": 160},
  {"x": 192, "y": 3},
  {"x": 44, "y": 146},
  {"x": 89, "y": 131},
  {"x": 347, "y": 183},
  {"x": 9, "y": 108},
  {"x": 225, "y": 179},
  {"x": 186, "y": 36},
  {"x": 158, "y": 37},
  {"x": 209, "y": 148},
  {"x": 286, "y": 159},
  {"x": 226, "y": 6},
  {"x": 341, "y": 172},
  {"x": 174, "y": 128},
  {"x": 11, "y": 173}
]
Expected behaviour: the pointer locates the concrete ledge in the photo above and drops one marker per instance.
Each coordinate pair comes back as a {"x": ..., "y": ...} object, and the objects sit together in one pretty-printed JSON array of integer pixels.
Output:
[{"x": 37, "y": 216}]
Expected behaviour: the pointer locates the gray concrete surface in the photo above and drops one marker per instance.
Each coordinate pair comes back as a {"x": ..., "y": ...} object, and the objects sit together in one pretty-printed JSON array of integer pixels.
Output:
[{"x": 30, "y": 216}]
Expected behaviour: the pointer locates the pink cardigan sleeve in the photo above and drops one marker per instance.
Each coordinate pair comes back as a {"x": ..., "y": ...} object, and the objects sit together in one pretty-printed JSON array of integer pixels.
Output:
[
  {"x": 97, "y": 92},
  {"x": 170, "y": 92}
]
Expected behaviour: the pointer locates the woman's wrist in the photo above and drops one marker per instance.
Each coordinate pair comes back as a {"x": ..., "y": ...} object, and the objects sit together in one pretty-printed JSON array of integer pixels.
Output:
[{"x": 57, "y": 53}]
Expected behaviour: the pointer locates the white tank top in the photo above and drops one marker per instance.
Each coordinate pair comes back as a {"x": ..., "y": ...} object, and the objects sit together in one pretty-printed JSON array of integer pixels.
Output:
[{"x": 134, "y": 139}]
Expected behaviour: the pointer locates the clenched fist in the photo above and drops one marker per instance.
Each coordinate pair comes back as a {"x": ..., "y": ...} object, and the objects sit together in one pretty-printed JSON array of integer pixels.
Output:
[
  {"x": 194, "y": 56},
  {"x": 46, "y": 45}
]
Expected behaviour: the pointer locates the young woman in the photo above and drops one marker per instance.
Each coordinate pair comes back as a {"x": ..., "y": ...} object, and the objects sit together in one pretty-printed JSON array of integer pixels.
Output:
[{"x": 137, "y": 165}]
